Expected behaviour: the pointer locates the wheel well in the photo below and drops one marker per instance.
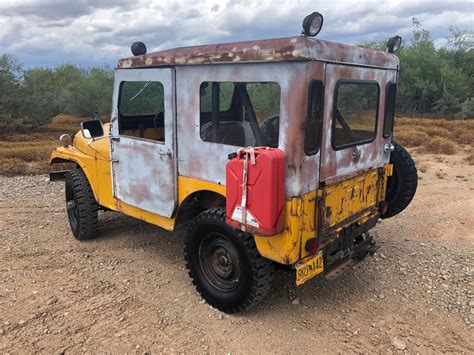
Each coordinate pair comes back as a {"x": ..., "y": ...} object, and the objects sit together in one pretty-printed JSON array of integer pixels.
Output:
[
  {"x": 61, "y": 160},
  {"x": 64, "y": 163},
  {"x": 196, "y": 203}
]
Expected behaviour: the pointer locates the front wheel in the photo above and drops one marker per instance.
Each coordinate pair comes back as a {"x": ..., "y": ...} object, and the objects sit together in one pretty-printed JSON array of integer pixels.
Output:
[
  {"x": 225, "y": 265},
  {"x": 82, "y": 208}
]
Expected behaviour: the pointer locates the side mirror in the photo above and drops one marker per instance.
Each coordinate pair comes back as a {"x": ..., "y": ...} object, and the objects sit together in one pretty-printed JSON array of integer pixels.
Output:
[
  {"x": 86, "y": 133},
  {"x": 92, "y": 129}
]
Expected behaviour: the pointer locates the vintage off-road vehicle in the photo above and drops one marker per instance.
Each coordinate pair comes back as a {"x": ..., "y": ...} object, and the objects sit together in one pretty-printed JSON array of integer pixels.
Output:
[{"x": 270, "y": 151}]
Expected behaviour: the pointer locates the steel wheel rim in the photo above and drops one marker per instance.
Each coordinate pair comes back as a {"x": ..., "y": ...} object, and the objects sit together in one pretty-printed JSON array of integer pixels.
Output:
[{"x": 219, "y": 260}]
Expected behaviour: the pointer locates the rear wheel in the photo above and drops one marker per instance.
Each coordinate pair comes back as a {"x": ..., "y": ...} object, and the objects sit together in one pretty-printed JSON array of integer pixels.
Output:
[
  {"x": 82, "y": 208},
  {"x": 401, "y": 186},
  {"x": 225, "y": 265}
]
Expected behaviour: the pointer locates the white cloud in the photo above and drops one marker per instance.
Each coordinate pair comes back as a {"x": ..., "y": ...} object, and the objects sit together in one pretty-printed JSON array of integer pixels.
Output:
[{"x": 47, "y": 32}]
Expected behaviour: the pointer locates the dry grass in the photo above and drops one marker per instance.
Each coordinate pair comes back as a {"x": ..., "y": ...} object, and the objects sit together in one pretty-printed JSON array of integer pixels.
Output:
[
  {"x": 24, "y": 153},
  {"x": 434, "y": 136},
  {"x": 29, "y": 153},
  {"x": 440, "y": 145}
]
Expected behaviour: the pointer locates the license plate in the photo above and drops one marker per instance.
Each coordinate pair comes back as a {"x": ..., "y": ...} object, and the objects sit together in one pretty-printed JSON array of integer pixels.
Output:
[{"x": 309, "y": 268}]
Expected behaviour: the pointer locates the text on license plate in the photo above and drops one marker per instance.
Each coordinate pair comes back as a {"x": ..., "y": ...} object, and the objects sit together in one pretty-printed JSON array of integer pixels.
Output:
[{"x": 309, "y": 268}]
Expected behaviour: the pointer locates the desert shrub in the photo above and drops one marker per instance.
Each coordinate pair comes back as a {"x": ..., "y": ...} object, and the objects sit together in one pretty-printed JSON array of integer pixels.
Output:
[
  {"x": 31, "y": 153},
  {"x": 440, "y": 145},
  {"x": 463, "y": 135},
  {"x": 412, "y": 139},
  {"x": 435, "y": 131},
  {"x": 13, "y": 166}
]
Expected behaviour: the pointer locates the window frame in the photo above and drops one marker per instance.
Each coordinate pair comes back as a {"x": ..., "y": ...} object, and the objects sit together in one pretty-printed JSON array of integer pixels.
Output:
[
  {"x": 120, "y": 115},
  {"x": 387, "y": 97},
  {"x": 334, "y": 119},
  {"x": 319, "y": 125},
  {"x": 234, "y": 101}
]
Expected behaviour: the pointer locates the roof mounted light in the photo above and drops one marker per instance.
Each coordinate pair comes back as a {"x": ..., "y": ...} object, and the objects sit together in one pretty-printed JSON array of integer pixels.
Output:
[
  {"x": 312, "y": 24},
  {"x": 138, "y": 48},
  {"x": 393, "y": 44}
]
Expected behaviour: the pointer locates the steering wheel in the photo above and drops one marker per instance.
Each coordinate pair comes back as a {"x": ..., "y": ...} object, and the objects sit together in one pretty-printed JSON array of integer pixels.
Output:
[{"x": 270, "y": 128}]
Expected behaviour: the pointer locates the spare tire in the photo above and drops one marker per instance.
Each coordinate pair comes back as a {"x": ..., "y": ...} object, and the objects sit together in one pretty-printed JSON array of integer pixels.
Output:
[{"x": 401, "y": 186}]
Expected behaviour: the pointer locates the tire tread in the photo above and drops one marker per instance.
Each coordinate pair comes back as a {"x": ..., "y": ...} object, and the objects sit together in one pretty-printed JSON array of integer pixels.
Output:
[
  {"x": 86, "y": 204},
  {"x": 262, "y": 268},
  {"x": 403, "y": 161}
]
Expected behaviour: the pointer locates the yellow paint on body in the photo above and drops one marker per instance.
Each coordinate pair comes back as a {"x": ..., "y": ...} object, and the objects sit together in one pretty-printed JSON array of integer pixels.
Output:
[{"x": 335, "y": 203}]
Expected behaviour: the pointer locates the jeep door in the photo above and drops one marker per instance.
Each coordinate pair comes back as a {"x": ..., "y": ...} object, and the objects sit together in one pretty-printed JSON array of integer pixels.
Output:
[
  {"x": 143, "y": 139},
  {"x": 353, "y": 138}
]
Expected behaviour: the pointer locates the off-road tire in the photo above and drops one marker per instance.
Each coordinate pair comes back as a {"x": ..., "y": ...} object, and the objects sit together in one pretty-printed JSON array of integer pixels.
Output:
[
  {"x": 401, "y": 186},
  {"x": 82, "y": 208},
  {"x": 255, "y": 272}
]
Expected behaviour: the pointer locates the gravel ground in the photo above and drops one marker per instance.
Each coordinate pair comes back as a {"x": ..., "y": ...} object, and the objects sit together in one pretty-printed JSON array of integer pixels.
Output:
[{"x": 128, "y": 291}]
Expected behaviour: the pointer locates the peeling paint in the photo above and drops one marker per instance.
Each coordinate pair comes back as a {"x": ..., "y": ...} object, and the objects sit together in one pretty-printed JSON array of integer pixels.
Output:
[{"x": 279, "y": 49}]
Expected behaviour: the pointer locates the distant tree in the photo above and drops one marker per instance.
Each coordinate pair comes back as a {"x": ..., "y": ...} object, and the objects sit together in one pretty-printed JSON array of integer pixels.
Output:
[
  {"x": 92, "y": 92},
  {"x": 434, "y": 81},
  {"x": 11, "y": 74}
]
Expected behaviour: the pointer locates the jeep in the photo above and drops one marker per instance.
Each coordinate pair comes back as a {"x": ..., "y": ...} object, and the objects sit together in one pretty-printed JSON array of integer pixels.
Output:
[{"x": 274, "y": 151}]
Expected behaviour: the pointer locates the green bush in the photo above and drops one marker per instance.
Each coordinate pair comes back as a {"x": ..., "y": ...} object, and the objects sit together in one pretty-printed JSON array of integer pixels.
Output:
[{"x": 31, "y": 97}]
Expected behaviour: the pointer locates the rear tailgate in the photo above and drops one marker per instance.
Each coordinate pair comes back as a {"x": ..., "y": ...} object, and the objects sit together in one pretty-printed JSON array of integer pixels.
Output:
[{"x": 355, "y": 199}]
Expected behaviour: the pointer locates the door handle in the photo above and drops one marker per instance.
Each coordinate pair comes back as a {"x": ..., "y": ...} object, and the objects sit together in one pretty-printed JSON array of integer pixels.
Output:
[
  {"x": 356, "y": 153},
  {"x": 165, "y": 154}
]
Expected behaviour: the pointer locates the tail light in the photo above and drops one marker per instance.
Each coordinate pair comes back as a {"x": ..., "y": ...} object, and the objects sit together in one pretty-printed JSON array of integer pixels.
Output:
[{"x": 312, "y": 246}]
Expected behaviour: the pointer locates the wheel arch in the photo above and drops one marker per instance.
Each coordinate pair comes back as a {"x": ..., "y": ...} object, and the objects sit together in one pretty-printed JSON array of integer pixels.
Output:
[
  {"x": 58, "y": 158},
  {"x": 196, "y": 202}
]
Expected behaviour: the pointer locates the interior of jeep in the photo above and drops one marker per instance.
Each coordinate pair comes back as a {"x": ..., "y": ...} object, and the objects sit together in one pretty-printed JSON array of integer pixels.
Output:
[
  {"x": 141, "y": 110},
  {"x": 240, "y": 114}
]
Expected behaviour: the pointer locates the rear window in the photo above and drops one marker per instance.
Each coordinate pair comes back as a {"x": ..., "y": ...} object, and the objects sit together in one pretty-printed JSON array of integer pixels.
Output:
[
  {"x": 391, "y": 93},
  {"x": 355, "y": 113},
  {"x": 312, "y": 133}
]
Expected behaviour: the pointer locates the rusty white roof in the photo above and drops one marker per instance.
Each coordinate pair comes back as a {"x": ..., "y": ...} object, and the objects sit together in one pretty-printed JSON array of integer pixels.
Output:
[{"x": 298, "y": 48}]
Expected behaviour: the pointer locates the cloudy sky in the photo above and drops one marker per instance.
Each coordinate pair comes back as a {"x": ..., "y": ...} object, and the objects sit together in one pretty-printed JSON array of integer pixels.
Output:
[{"x": 97, "y": 32}]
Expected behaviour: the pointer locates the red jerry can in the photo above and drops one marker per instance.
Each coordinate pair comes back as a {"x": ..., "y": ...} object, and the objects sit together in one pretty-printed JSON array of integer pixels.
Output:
[{"x": 255, "y": 190}]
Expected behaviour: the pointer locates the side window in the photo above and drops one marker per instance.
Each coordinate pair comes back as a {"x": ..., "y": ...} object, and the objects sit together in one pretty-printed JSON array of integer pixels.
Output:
[
  {"x": 391, "y": 93},
  {"x": 226, "y": 91},
  {"x": 141, "y": 110},
  {"x": 312, "y": 135},
  {"x": 240, "y": 114},
  {"x": 355, "y": 113}
]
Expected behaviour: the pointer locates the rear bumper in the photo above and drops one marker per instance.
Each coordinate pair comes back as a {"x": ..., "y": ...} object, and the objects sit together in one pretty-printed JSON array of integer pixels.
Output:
[{"x": 351, "y": 247}]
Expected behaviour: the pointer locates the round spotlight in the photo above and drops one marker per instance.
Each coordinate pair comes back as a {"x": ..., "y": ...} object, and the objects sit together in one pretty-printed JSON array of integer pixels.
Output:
[
  {"x": 65, "y": 140},
  {"x": 312, "y": 24},
  {"x": 138, "y": 48},
  {"x": 393, "y": 44}
]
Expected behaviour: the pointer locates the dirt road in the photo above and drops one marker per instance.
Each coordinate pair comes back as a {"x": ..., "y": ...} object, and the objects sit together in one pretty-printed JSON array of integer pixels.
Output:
[{"x": 129, "y": 290}]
